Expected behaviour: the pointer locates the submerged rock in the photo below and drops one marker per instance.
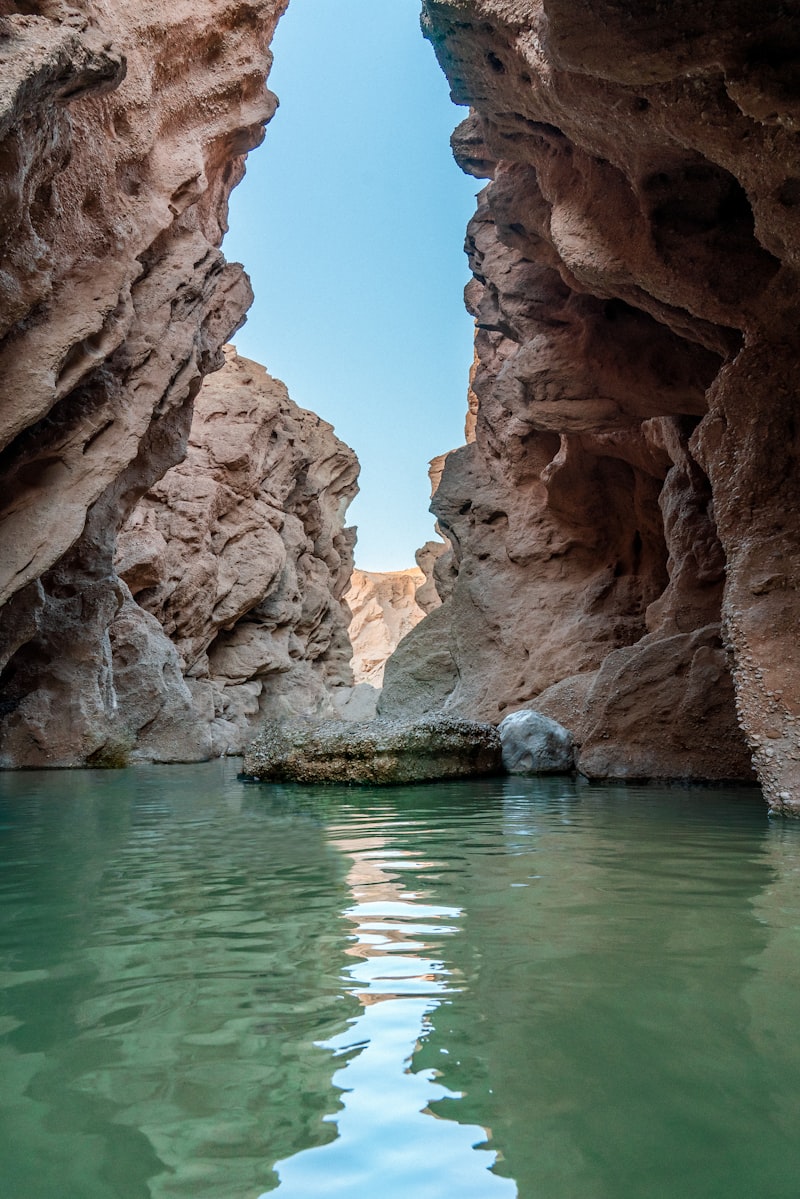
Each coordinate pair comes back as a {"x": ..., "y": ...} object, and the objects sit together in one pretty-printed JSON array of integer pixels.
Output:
[
  {"x": 535, "y": 744},
  {"x": 378, "y": 752}
]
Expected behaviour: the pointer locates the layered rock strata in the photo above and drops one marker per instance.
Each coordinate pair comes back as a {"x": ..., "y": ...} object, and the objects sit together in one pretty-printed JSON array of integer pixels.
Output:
[
  {"x": 238, "y": 560},
  {"x": 624, "y": 525},
  {"x": 123, "y": 129}
]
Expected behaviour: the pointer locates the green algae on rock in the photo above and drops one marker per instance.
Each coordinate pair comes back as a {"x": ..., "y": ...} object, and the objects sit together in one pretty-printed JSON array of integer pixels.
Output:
[{"x": 379, "y": 752}]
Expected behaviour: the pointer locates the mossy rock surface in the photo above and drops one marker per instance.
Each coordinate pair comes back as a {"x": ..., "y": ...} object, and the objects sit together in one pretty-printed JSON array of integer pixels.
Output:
[{"x": 379, "y": 752}]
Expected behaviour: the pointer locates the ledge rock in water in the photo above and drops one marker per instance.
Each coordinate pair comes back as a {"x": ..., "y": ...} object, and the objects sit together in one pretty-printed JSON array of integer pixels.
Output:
[{"x": 379, "y": 752}]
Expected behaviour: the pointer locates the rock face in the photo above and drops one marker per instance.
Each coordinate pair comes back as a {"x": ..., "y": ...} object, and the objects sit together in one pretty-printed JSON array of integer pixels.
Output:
[
  {"x": 427, "y": 558},
  {"x": 123, "y": 129},
  {"x": 384, "y": 609},
  {"x": 624, "y": 524},
  {"x": 377, "y": 752},
  {"x": 241, "y": 556}
]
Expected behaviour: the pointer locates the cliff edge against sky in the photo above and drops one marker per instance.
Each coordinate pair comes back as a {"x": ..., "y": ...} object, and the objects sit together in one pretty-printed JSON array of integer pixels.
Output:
[
  {"x": 123, "y": 129},
  {"x": 624, "y": 524}
]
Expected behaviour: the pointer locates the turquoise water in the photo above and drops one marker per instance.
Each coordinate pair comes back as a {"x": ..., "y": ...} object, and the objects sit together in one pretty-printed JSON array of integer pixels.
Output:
[{"x": 540, "y": 989}]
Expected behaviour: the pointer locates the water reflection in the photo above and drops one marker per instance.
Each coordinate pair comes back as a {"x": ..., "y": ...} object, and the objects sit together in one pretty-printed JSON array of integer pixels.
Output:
[
  {"x": 168, "y": 963},
  {"x": 387, "y": 1134},
  {"x": 609, "y": 1030},
  {"x": 543, "y": 989}
]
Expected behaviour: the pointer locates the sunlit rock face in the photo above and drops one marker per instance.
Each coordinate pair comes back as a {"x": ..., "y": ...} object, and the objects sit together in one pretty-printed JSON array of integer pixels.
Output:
[
  {"x": 123, "y": 129},
  {"x": 384, "y": 609},
  {"x": 241, "y": 554},
  {"x": 625, "y": 522}
]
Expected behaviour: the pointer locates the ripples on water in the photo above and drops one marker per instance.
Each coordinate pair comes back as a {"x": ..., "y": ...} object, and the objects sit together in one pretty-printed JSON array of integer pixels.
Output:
[{"x": 510, "y": 988}]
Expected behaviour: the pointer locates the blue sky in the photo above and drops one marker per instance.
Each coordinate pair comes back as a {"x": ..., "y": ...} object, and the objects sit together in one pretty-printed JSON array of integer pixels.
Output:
[{"x": 350, "y": 222}]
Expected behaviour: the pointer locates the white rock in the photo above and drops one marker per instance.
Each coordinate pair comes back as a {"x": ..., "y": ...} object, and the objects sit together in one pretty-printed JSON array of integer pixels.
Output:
[{"x": 535, "y": 744}]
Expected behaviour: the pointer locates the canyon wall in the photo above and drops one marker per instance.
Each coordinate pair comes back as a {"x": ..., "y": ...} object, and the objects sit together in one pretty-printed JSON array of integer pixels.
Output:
[
  {"x": 122, "y": 130},
  {"x": 624, "y": 524},
  {"x": 234, "y": 568}
]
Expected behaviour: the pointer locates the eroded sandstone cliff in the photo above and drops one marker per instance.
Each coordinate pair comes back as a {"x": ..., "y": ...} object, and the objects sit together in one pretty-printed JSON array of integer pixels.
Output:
[
  {"x": 623, "y": 520},
  {"x": 123, "y": 129},
  {"x": 624, "y": 525},
  {"x": 241, "y": 555}
]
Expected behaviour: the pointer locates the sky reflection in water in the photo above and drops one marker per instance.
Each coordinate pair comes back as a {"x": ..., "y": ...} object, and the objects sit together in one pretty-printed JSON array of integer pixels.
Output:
[
  {"x": 386, "y": 1128},
  {"x": 210, "y": 991}
]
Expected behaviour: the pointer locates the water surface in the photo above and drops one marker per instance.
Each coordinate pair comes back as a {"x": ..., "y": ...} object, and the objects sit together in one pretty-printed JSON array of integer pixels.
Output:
[{"x": 540, "y": 989}]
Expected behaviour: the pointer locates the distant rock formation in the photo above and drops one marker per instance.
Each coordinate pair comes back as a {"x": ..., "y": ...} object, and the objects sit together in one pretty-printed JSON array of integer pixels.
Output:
[
  {"x": 384, "y": 609},
  {"x": 241, "y": 556},
  {"x": 624, "y": 525}
]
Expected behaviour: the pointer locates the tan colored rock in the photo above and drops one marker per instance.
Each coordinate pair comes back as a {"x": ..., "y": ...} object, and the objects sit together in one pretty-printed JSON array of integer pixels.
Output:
[
  {"x": 357, "y": 703},
  {"x": 420, "y": 676},
  {"x": 428, "y": 558},
  {"x": 384, "y": 610},
  {"x": 624, "y": 525},
  {"x": 241, "y": 554},
  {"x": 123, "y": 129},
  {"x": 160, "y": 718}
]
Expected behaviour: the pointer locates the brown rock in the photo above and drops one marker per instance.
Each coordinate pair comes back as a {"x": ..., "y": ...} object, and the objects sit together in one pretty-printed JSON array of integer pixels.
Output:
[
  {"x": 655, "y": 710},
  {"x": 624, "y": 526},
  {"x": 122, "y": 131},
  {"x": 241, "y": 555},
  {"x": 159, "y": 717}
]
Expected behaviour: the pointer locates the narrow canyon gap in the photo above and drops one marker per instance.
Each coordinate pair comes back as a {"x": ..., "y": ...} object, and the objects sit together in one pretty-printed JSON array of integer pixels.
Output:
[
  {"x": 350, "y": 222},
  {"x": 622, "y": 525}
]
